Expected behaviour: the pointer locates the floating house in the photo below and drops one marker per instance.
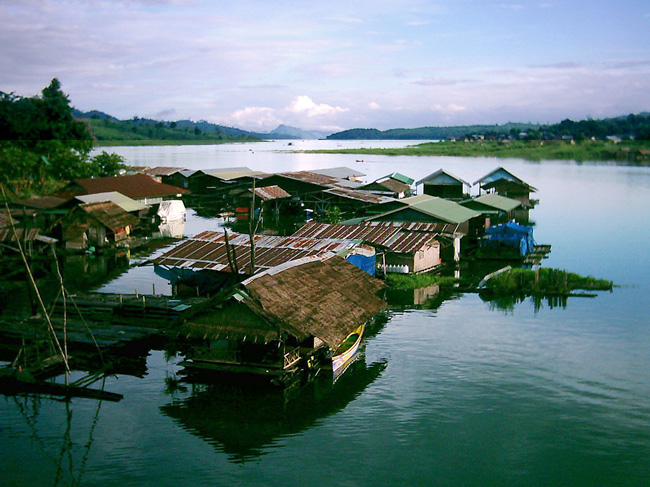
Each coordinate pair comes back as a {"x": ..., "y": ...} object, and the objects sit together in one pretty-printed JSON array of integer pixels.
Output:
[
  {"x": 321, "y": 192},
  {"x": 222, "y": 180},
  {"x": 504, "y": 183},
  {"x": 444, "y": 184},
  {"x": 172, "y": 211},
  {"x": 127, "y": 204},
  {"x": 497, "y": 208},
  {"x": 208, "y": 262},
  {"x": 403, "y": 248},
  {"x": 461, "y": 222},
  {"x": 97, "y": 225},
  {"x": 394, "y": 185},
  {"x": 284, "y": 318},
  {"x": 139, "y": 187}
]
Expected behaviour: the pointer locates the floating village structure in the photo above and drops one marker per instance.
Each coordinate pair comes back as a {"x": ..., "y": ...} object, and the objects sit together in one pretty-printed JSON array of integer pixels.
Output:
[
  {"x": 444, "y": 184},
  {"x": 282, "y": 318}
]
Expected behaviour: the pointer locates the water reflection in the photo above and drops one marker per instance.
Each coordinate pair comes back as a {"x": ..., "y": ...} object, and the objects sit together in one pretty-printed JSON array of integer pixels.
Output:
[{"x": 243, "y": 419}]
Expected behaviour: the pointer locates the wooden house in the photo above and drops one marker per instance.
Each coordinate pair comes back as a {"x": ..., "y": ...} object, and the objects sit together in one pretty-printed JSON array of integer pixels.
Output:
[
  {"x": 139, "y": 187},
  {"x": 461, "y": 222},
  {"x": 222, "y": 180},
  {"x": 321, "y": 192},
  {"x": 402, "y": 248},
  {"x": 394, "y": 185},
  {"x": 504, "y": 183},
  {"x": 281, "y": 318},
  {"x": 97, "y": 225},
  {"x": 443, "y": 184},
  {"x": 496, "y": 208}
]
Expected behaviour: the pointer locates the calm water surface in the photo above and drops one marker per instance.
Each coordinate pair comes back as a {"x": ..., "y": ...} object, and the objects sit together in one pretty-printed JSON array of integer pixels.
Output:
[{"x": 458, "y": 393}]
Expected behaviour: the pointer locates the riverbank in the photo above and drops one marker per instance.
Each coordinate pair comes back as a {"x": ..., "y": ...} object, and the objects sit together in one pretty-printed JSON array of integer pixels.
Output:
[{"x": 637, "y": 152}]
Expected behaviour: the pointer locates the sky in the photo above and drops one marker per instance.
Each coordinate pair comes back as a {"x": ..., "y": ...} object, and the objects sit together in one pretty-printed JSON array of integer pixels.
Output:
[{"x": 333, "y": 65}]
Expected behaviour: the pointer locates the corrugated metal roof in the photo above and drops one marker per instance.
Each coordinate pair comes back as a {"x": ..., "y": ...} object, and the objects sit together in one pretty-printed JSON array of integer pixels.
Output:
[
  {"x": 123, "y": 201},
  {"x": 342, "y": 172},
  {"x": 441, "y": 176},
  {"x": 207, "y": 250},
  {"x": 397, "y": 238},
  {"x": 134, "y": 186},
  {"x": 43, "y": 202},
  {"x": 494, "y": 200},
  {"x": 268, "y": 193},
  {"x": 164, "y": 170},
  {"x": 7, "y": 234}
]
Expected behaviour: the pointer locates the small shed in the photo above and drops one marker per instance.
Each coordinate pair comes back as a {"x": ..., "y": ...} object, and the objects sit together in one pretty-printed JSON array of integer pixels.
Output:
[
  {"x": 497, "y": 208},
  {"x": 444, "y": 184},
  {"x": 503, "y": 182},
  {"x": 172, "y": 210},
  {"x": 394, "y": 185}
]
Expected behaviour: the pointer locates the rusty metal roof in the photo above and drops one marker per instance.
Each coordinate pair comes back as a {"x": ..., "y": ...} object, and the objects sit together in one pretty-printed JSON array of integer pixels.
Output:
[
  {"x": 268, "y": 193},
  {"x": 7, "y": 234},
  {"x": 397, "y": 238},
  {"x": 207, "y": 250},
  {"x": 134, "y": 186}
]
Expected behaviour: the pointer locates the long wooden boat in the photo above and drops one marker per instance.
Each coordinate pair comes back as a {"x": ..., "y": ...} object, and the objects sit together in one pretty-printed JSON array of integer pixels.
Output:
[{"x": 346, "y": 352}]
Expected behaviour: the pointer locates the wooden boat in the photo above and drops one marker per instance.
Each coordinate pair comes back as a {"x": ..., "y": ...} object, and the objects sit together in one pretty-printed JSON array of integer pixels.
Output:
[{"x": 346, "y": 352}]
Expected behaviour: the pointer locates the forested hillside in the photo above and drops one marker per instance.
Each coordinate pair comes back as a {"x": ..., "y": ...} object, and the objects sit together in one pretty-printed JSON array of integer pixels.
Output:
[{"x": 630, "y": 126}]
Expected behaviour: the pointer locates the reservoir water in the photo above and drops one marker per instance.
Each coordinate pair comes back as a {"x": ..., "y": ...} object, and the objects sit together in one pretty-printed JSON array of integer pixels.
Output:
[{"x": 458, "y": 392}]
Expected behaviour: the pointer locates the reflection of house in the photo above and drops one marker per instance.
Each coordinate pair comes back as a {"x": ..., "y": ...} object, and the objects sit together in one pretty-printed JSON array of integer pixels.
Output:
[
  {"x": 504, "y": 183},
  {"x": 139, "y": 187},
  {"x": 497, "y": 208},
  {"x": 282, "y": 316},
  {"x": 97, "y": 224},
  {"x": 444, "y": 185},
  {"x": 394, "y": 185},
  {"x": 400, "y": 246}
]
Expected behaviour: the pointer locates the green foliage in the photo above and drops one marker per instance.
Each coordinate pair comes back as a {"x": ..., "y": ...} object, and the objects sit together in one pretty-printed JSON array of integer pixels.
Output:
[
  {"x": 43, "y": 143},
  {"x": 518, "y": 282},
  {"x": 587, "y": 150},
  {"x": 106, "y": 164},
  {"x": 416, "y": 281},
  {"x": 334, "y": 215}
]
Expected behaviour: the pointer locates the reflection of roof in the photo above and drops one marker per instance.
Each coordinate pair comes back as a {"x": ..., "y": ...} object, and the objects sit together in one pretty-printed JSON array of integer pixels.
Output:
[
  {"x": 396, "y": 238},
  {"x": 207, "y": 250},
  {"x": 268, "y": 193},
  {"x": 110, "y": 215},
  {"x": 492, "y": 200},
  {"x": 443, "y": 177},
  {"x": 134, "y": 186},
  {"x": 435, "y": 207},
  {"x": 124, "y": 202}
]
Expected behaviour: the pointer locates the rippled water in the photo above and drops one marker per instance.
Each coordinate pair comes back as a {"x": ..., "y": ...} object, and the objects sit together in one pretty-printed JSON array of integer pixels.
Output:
[{"x": 458, "y": 393}]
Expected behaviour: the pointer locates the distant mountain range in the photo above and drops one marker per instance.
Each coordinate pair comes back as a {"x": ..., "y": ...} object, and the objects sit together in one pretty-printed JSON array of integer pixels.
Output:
[{"x": 204, "y": 128}]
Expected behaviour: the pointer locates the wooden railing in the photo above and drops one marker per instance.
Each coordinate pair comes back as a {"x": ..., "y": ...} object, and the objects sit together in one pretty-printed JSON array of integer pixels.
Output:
[{"x": 291, "y": 358}]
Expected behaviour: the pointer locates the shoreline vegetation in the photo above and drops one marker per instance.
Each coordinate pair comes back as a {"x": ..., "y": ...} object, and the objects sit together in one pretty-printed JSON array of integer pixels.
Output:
[
  {"x": 536, "y": 150},
  {"x": 512, "y": 283}
]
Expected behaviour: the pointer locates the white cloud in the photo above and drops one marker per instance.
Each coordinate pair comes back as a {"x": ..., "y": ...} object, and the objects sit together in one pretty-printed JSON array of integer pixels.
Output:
[
  {"x": 305, "y": 105},
  {"x": 374, "y": 105},
  {"x": 254, "y": 118}
]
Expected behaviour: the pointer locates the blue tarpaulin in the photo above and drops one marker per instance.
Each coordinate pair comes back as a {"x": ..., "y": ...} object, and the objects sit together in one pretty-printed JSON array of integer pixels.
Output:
[
  {"x": 512, "y": 235},
  {"x": 363, "y": 262}
]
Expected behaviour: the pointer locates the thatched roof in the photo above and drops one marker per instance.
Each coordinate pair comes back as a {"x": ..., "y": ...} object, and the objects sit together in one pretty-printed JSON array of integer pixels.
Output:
[
  {"x": 326, "y": 297},
  {"x": 321, "y": 296},
  {"x": 110, "y": 215}
]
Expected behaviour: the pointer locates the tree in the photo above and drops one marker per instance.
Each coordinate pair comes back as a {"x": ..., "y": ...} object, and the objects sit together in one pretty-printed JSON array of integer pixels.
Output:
[{"x": 106, "y": 164}]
